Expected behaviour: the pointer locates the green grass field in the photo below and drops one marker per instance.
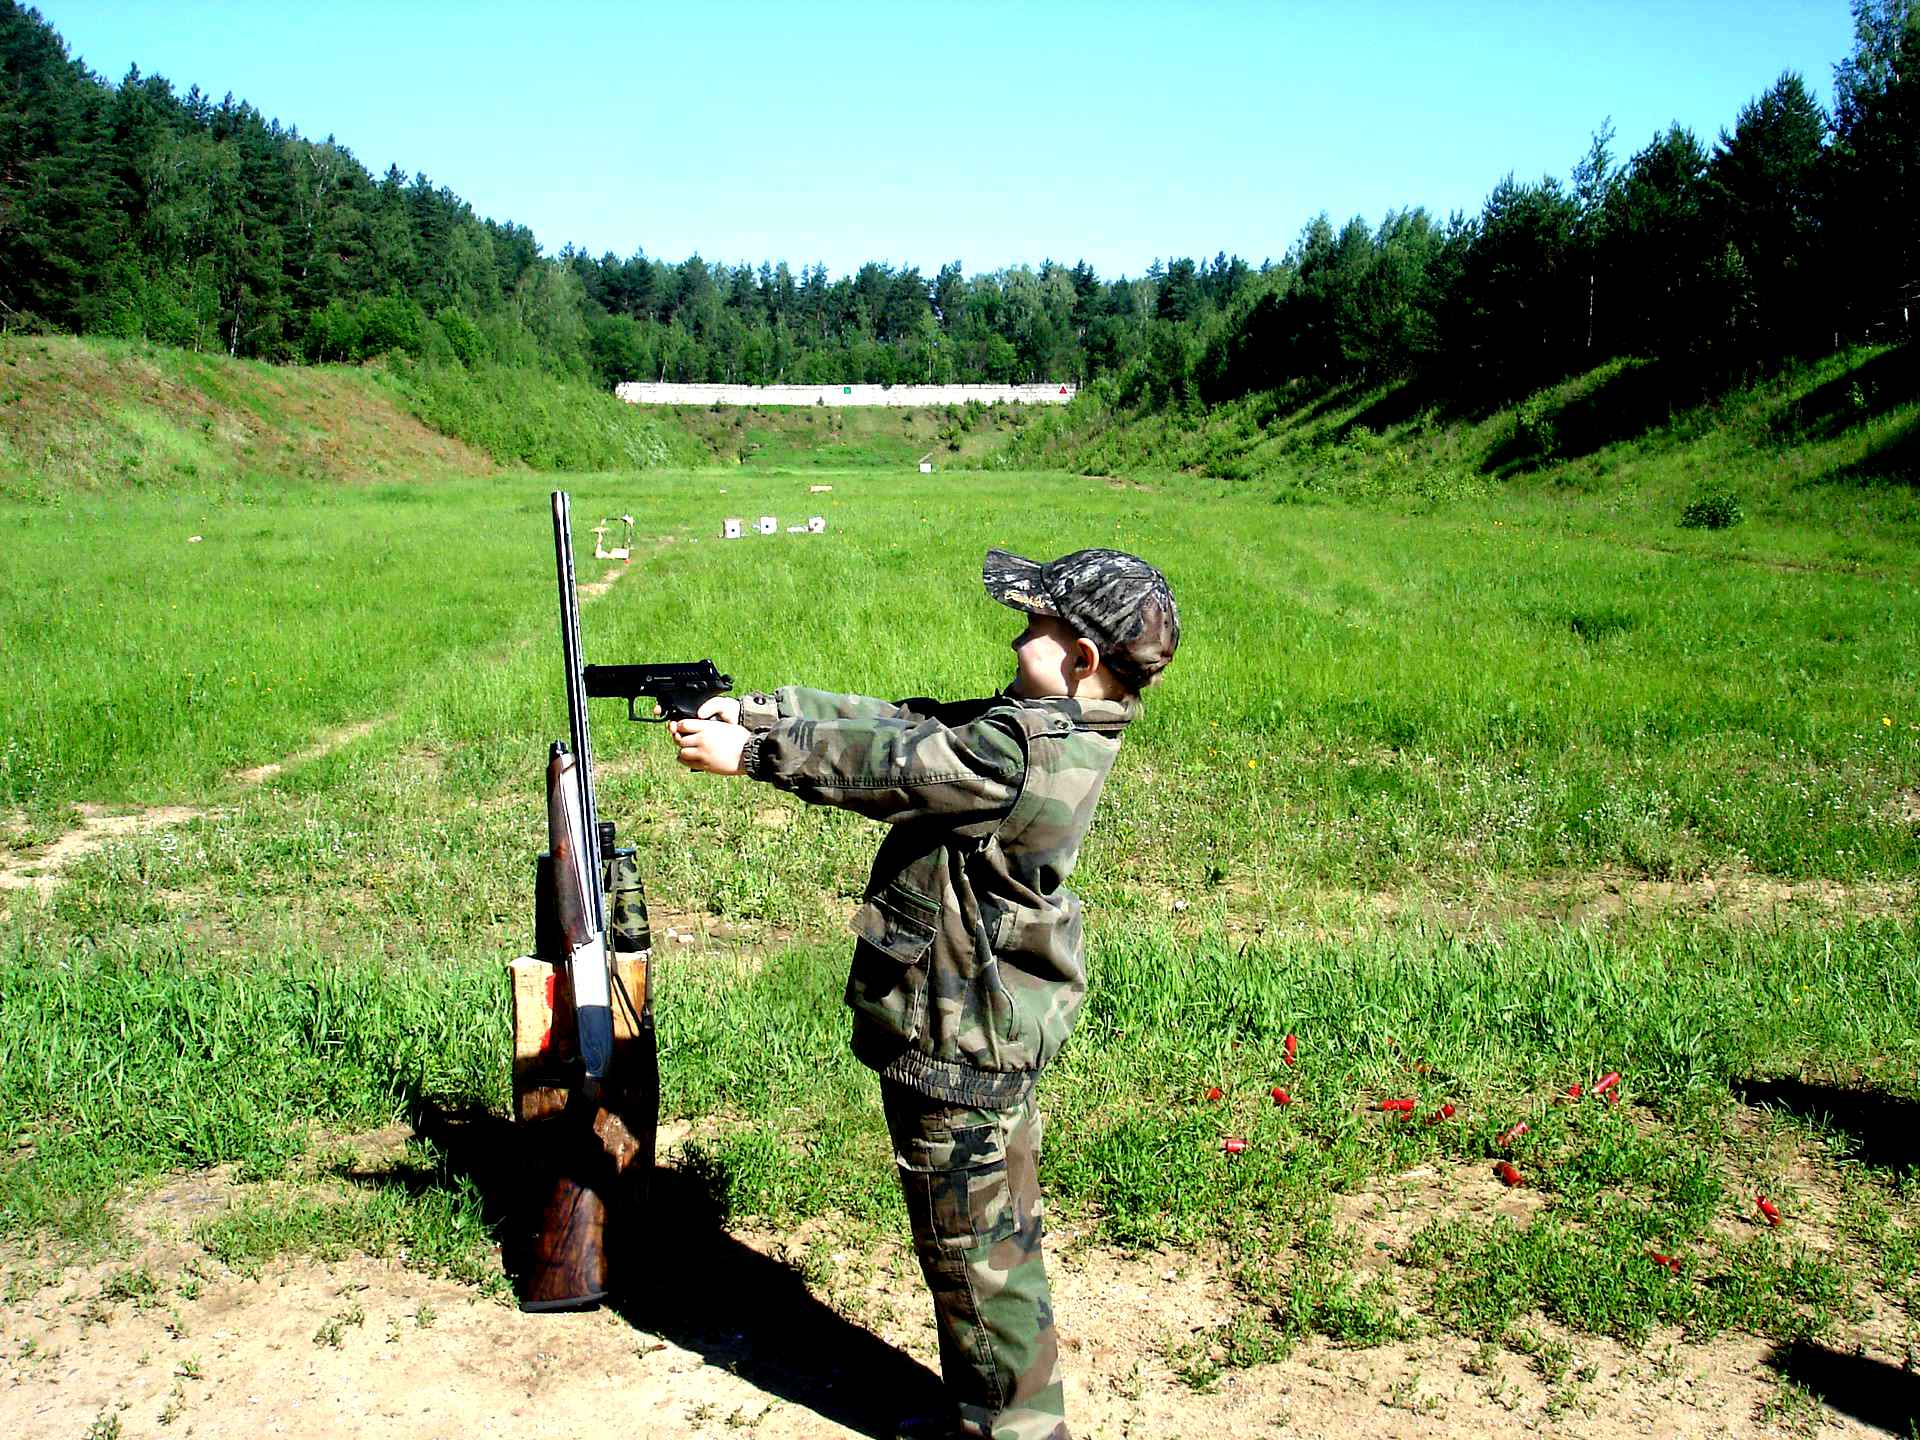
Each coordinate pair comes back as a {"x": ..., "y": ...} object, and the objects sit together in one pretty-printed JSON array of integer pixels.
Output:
[{"x": 1477, "y": 799}]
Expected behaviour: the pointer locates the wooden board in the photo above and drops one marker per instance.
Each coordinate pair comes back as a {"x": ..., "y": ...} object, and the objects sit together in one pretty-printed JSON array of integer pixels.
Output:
[{"x": 545, "y": 1050}]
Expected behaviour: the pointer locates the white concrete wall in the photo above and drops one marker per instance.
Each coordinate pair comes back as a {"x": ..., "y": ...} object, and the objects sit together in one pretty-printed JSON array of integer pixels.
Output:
[{"x": 641, "y": 392}]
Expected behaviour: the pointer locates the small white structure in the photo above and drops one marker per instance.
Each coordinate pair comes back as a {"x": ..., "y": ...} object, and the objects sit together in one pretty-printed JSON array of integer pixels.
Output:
[
  {"x": 646, "y": 392},
  {"x": 622, "y": 551},
  {"x": 733, "y": 528},
  {"x": 818, "y": 489},
  {"x": 926, "y": 463}
]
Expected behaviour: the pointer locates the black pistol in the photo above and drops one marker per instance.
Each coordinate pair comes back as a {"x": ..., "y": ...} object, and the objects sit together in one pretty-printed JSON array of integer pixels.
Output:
[{"x": 679, "y": 690}]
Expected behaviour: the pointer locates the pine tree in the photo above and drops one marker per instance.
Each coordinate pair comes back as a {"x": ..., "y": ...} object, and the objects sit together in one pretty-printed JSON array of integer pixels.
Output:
[
  {"x": 1877, "y": 139},
  {"x": 1766, "y": 179}
]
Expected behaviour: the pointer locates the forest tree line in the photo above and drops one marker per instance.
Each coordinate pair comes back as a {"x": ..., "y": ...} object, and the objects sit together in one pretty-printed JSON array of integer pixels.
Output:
[{"x": 129, "y": 210}]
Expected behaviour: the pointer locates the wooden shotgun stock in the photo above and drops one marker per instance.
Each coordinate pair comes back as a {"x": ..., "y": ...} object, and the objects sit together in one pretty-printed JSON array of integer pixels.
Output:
[
  {"x": 588, "y": 1156},
  {"x": 567, "y": 1266}
]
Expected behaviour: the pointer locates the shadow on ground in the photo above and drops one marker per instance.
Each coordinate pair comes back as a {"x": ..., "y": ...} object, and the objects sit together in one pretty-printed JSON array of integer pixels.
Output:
[
  {"x": 1894, "y": 460},
  {"x": 1878, "y": 1129},
  {"x": 1866, "y": 392},
  {"x": 679, "y": 1275},
  {"x": 1870, "y": 1391}
]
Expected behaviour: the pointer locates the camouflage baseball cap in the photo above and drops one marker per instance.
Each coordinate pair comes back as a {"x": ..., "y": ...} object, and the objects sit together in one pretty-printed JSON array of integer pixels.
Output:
[{"x": 1116, "y": 600}]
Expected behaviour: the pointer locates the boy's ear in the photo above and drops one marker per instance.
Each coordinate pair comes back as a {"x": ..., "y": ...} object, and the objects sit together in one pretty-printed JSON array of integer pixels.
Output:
[{"x": 1086, "y": 655}]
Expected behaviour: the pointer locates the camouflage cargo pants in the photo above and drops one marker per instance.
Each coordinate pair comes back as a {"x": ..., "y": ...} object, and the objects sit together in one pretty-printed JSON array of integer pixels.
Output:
[{"x": 974, "y": 1199}]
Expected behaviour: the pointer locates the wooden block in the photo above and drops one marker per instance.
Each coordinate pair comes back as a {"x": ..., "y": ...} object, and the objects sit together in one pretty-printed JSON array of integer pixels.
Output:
[
  {"x": 545, "y": 1048},
  {"x": 587, "y": 1181}
]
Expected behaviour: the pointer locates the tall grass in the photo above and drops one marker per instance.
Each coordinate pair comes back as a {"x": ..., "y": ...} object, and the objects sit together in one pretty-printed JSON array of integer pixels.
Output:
[
  {"x": 136, "y": 1056},
  {"x": 127, "y": 1058},
  {"x": 525, "y": 416}
]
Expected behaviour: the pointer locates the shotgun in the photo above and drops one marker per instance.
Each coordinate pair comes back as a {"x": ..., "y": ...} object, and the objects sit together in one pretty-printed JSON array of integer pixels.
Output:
[{"x": 593, "y": 1156}]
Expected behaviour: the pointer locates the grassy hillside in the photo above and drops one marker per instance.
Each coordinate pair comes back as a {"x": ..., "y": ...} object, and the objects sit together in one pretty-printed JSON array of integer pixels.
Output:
[
  {"x": 106, "y": 415},
  {"x": 1834, "y": 446},
  {"x": 526, "y": 417},
  {"x": 91, "y": 414}
]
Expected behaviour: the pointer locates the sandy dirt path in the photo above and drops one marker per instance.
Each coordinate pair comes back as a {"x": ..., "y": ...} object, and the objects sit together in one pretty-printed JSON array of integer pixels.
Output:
[{"x": 753, "y": 1334}]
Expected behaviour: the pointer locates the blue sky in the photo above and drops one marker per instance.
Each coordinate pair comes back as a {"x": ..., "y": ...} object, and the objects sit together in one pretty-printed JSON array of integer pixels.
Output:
[{"x": 990, "y": 133}]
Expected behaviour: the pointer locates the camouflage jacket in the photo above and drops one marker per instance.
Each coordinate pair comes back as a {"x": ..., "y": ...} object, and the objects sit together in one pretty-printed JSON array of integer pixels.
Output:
[{"x": 969, "y": 967}]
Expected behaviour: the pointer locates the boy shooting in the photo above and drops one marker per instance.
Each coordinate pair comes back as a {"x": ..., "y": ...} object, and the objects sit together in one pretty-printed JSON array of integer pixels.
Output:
[{"x": 969, "y": 968}]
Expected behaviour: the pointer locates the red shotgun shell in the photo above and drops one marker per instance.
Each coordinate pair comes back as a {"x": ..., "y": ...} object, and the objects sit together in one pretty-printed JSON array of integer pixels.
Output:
[
  {"x": 1213, "y": 1092},
  {"x": 1280, "y": 1097},
  {"x": 1518, "y": 1129},
  {"x": 1233, "y": 1144},
  {"x": 1606, "y": 1082},
  {"x": 1508, "y": 1175},
  {"x": 1288, "y": 1049},
  {"x": 1768, "y": 1209}
]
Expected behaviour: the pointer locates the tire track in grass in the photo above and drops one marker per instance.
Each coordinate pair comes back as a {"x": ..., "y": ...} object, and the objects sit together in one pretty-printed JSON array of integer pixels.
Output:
[
  {"x": 41, "y": 870},
  {"x": 99, "y": 825},
  {"x": 344, "y": 735}
]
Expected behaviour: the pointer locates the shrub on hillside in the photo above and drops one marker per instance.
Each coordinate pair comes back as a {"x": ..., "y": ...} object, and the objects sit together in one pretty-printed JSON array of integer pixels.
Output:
[
  {"x": 1714, "y": 510},
  {"x": 1533, "y": 427}
]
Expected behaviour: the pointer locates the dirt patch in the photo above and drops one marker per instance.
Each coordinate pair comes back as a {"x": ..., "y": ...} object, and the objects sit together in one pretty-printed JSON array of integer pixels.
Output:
[
  {"x": 676, "y": 930},
  {"x": 1753, "y": 897},
  {"x": 41, "y": 870},
  {"x": 1392, "y": 1211},
  {"x": 1601, "y": 899},
  {"x": 608, "y": 579},
  {"x": 817, "y": 1334},
  {"x": 423, "y": 762}
]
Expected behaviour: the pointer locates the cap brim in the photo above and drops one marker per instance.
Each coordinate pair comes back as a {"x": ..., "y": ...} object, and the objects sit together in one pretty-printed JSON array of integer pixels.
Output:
[{"x": 1016, "y": 582}]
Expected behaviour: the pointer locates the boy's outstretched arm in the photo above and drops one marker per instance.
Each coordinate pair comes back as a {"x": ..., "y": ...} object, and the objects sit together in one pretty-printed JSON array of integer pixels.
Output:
[
  {"x": 791, "y": 702},
  {"x": 896, "y": 770}
]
